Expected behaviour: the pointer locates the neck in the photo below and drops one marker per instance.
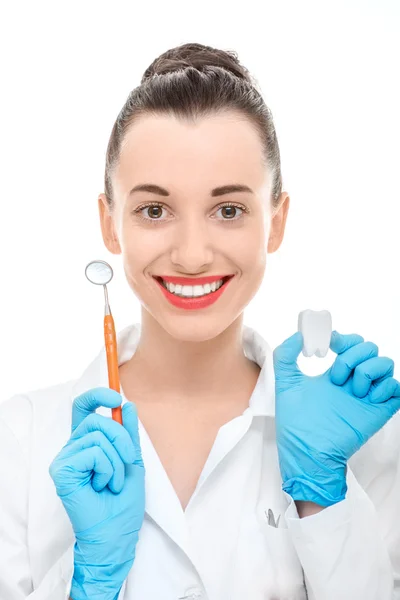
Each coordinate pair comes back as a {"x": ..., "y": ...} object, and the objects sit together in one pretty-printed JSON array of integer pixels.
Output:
[{"x": 181, "y": 368}]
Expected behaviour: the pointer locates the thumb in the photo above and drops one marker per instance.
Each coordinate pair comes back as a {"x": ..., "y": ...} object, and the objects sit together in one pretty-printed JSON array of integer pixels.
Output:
[{"x": 286, "y": 355}]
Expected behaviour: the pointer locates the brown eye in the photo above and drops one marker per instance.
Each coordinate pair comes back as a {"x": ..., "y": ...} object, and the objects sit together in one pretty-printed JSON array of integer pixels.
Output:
[
  {"x": 229, "y": 211},
  {"x": 154, "y": 212}
]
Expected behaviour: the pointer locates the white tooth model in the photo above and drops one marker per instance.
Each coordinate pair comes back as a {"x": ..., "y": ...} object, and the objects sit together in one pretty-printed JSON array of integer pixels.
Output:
[{"x": 316, "y": 327}]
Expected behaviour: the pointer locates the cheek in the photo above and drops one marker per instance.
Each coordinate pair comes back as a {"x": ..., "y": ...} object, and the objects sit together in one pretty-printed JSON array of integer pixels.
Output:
[
  {"x": 251, "y": 248},
  {"x": 134, "y": 255},
  {"x": 138, "y": 243}
]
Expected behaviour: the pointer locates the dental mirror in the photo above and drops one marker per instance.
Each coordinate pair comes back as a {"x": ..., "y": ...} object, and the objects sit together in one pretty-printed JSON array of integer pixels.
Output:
[{"x": 99, "y": 272}]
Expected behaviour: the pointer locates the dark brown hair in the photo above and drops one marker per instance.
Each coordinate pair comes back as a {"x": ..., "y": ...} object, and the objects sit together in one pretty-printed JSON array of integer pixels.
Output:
[{"x": 192, "y": 81}]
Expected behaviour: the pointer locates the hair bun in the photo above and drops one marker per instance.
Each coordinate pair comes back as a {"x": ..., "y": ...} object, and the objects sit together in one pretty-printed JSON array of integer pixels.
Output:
[{"x": 198, "y": 57}]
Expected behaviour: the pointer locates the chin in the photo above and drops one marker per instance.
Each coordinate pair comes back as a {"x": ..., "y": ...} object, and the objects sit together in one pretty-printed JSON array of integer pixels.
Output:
[{"x": 192, "y": 327}]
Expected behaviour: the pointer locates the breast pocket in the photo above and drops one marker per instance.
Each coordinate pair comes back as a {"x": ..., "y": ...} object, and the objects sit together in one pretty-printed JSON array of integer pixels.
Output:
[
  {"x": 266, "y": 566},
  {"x": 287, "y": 570}
]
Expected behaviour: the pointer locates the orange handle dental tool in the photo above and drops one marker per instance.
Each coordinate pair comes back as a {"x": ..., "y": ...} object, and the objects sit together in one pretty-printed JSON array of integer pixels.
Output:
[
  {"x": 100, "y": 273},
  {"x": 112, "y": 362}
]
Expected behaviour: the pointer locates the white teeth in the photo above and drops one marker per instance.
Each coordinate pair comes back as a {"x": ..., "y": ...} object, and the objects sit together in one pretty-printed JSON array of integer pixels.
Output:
[
  {"x": 316, "y": 327},
  {"x": 193, "y": 290}
]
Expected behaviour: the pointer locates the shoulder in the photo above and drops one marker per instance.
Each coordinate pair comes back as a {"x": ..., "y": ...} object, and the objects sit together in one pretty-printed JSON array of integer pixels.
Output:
[{"x": 43, "y": 412}]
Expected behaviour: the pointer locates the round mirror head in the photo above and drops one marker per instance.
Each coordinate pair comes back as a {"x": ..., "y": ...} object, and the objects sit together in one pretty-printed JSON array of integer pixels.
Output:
[{"x": 99, "y": 272}]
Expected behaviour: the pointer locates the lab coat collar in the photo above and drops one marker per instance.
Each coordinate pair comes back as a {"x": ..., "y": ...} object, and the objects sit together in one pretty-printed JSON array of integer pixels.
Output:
[{"x": 262, "y": 401}]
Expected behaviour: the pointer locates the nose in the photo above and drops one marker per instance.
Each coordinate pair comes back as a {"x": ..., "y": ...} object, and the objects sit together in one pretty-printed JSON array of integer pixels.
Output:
[{"x": 193, "y": 246}]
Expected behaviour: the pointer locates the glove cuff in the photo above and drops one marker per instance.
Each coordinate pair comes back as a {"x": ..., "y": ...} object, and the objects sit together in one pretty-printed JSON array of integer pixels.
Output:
[
  {"x": 99, "y": 582},
  {"x": 302, "y": 488},
  {"x": 93, "y": 591}
]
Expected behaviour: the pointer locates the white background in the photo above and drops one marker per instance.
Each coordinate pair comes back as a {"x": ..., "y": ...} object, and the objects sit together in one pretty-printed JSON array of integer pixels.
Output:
[{"x": 328, "y": 71}]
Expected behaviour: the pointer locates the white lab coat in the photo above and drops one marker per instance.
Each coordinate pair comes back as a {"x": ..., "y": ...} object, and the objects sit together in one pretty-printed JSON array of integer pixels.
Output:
[{"x": 223, "y": 546}]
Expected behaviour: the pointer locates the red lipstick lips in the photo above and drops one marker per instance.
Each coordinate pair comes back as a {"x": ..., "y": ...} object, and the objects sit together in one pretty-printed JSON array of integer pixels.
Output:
[{"x": 197, "y": 302}]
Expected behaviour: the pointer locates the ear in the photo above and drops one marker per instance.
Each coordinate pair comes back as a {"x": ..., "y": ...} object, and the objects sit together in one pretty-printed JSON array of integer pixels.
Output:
[
  {"x": 108, "y": 231},
  {"x": 278, "y": 222}
]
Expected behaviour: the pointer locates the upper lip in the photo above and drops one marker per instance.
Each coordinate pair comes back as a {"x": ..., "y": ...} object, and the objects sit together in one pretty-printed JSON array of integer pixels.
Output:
[{"x": 192, "y": 280}]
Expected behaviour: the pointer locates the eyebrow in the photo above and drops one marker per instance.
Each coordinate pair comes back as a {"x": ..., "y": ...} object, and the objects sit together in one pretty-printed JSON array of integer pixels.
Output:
[{"x": 219, "y": 191}]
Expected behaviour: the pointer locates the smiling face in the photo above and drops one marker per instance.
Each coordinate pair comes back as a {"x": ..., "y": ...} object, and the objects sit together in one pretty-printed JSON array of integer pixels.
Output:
[{"x": 190, "y": 231}]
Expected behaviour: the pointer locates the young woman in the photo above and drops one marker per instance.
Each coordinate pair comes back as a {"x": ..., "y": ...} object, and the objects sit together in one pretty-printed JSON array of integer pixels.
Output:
[{"x": 234, "y": 476}]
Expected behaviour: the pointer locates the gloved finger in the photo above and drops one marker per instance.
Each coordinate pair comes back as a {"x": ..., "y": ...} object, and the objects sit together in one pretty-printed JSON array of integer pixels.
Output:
[
  {"x": 86, "y": 403},
  {"x": 393, "y": 404},
  {"x": 285, "y": 356},
  {"x": 384, "y": 390},
  {"x": 97, "y": 438},
  {"x": 115, "y": 432},
  {"x": 370, "y": 370},
  {"x": 349, "y": 359},
  {"x": 77, "y": 470},
  {"x": 340, "y": 342},
  {"x": 131, "y": 423}
]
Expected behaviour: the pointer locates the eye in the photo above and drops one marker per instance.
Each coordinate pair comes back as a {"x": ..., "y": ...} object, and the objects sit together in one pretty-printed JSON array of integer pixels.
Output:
[
  {"x": 232, "y": 210},
  {"x": 156, "y": 213},
  {"x": 155, "y": 216}
]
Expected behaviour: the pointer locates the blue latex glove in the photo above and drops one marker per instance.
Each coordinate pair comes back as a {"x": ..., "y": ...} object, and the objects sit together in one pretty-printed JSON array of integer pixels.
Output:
[
  {"x": 99, "y": 476},
  {"x": 322, "y": 421}
]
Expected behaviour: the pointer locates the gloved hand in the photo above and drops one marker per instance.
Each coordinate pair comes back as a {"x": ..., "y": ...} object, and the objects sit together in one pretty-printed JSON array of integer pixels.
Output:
[
  {"x": 99, "y": 476},
  {"x": 322, "y": 421}
]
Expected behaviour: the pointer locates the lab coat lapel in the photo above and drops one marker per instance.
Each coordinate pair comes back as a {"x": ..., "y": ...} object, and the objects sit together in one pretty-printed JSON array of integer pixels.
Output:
[{"x": 162, "y": 502}]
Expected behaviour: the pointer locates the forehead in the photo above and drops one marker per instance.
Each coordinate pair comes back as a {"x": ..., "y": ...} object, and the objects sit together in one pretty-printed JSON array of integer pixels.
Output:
[{"x": 212, "y": 149}]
